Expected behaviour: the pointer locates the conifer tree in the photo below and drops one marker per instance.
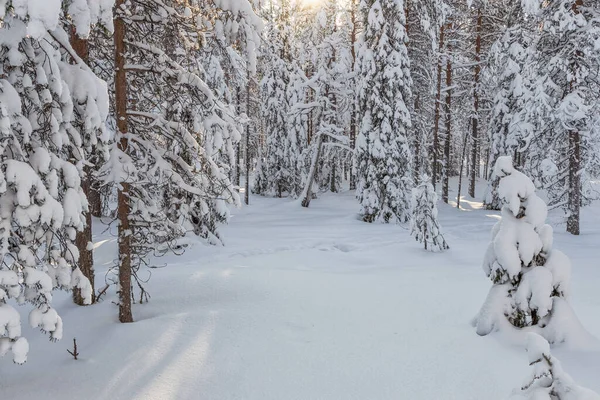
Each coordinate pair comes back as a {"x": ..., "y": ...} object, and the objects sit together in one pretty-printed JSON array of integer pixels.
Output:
[
  {"x": 530, "y": 278},
  {"x": 564, "y": 75},
  {"x": 51, "y": 106},
  {"x": 424, "y": 225},
  {"x": 507, "y": 130},
  {"x": 169, "y": 185},
  {"x": 383, "y": 159}
]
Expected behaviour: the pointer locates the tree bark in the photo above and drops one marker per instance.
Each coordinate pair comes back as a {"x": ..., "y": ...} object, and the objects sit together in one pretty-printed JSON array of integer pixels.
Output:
[
  {"x": 417, "y": 145},
  {"x": 123, "y": 207},
  {"x": 574, "y": 183},
  {"x": 247, "y": 155},
  {"x": 475, "y": 122},
  {"x": 436, "y": 121},
  {"x": 574, "y": 204},
  {"x": 84, "y": 238},
  {"x": 448, "y": 138},
  {"x": 353, "y": 111},
  {"x": 313, "y": 171},
  {"x": 238, "y": 146}
]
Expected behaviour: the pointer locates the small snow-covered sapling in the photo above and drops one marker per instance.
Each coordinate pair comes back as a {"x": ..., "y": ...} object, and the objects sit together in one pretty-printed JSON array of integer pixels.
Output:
[
  {"x": 424, "y": 225},
  {"x": 548, "y": 381},
  {"x": 530, "y": 278}
]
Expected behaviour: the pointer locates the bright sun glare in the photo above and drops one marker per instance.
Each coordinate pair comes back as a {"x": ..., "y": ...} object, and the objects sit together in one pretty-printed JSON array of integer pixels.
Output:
[{"x": 310, "y": 3}]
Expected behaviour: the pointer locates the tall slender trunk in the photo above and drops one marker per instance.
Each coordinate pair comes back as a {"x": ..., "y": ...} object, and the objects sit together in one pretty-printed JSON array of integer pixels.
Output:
[
  {"x": 123, "y": 207},
  {"x": 238, "y": 146},
  {"x": 574, "y": 183},
  {"x": 353, "y": 111},
  {"x": 448, "y": 138},
  {"x": 475, "y": 122},
  {"x": 417, "y": 145},
  {"x": 574, "y": 202},
  {"x": 247, "y": 153},
  {"x": 436, "y": 121},
  {"x": 84, "y": 238},
  {"x": 460, "y": 173}
]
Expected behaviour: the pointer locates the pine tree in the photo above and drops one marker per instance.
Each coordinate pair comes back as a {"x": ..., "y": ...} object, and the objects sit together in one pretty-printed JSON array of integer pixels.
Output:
[
  {"x": 51, "y": 105},
  {"x": 507, "y": 130},
  {"x": 383, "y": 159},
  {"x": 564, "y": 70},
  {"x": 169, "y": 185},
  {"x": 276, "y": 172},
  {"x": 424, "y": 225}
]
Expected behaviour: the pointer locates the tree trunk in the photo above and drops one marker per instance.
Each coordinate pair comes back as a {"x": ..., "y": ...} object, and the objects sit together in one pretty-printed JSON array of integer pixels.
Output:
[
  {"x": 313, "y": 171},
  {"x": 84, "y": 238},
  {"x": 460, "y": 174},
  {"x": 417, "y": 145},
  {"x": 353, "y": 111},
  {"x": 123, "y": 207},
  {"x": 574, "y": 204},
  {"x": 332, "y": 186},
  {"x": 448, "y": 139},
  {"x": 574, "y": 183},
  {"x": 475, "y": 122},
  {"x": 247, "y": 155},
  {"x": 84, "y": 241},
  {"x": 436, "y": 121}
]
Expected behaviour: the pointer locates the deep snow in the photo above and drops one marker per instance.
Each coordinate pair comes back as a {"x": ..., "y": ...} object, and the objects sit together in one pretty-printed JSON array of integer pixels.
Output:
[{"x": 306, "y": 304}]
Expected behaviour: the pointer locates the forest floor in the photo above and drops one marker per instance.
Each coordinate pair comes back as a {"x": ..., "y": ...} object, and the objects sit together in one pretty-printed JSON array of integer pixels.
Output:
[{"x": 306, "y": 304}]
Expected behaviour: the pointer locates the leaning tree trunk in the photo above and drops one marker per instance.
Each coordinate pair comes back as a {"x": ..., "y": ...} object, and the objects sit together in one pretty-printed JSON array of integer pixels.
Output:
[
  {"x": 123, "y": 207},
  {"x": 475, "y": 121},
  {"x": 84, "y": 238},
  {"x": 313, "y": 171}
]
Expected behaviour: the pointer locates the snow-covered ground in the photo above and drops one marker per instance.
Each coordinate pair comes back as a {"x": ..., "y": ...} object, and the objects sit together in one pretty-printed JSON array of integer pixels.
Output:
[{"x": 306, "y": 304}]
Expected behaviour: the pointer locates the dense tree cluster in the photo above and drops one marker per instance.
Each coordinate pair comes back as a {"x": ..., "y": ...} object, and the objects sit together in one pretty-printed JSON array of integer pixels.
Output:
[{"x": 157, "y": 114}]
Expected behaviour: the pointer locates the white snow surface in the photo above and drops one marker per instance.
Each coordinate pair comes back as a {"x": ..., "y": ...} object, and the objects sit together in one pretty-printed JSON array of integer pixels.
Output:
[{"x": 304, "y": 304}]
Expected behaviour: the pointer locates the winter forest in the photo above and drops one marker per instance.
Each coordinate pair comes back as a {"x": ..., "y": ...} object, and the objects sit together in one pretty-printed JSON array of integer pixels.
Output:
[{"x": 300, "y": 199}]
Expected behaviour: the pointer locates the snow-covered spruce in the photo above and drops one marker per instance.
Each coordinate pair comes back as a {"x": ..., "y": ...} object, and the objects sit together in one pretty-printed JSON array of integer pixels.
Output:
[
  {"x": 276, "y": 171},
  {"x": 548, "y": 381},
  {"x": 530, "y": 278},
  {"x": 562, "y": 109},
  {"x": 424, "y": 225},
  {"x": 506, "y": 129},
  {"x": 383, "y": 159},
  {"x": 51, "y": 108}
]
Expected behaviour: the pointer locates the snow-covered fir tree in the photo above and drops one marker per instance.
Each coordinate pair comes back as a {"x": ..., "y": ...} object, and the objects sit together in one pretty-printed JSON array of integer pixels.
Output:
[
  {"x": 563, "y": 72},
  {"x": 424, "y": 224},
  {"x": 51, "y": 108},
  {"x": 507, "y": 130},
  {"x": 548, "y": 381},
  {"x": 277, "y": 166},
  {"x": 531, "y": 280},
  {"x": 383, "y": 159}
]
